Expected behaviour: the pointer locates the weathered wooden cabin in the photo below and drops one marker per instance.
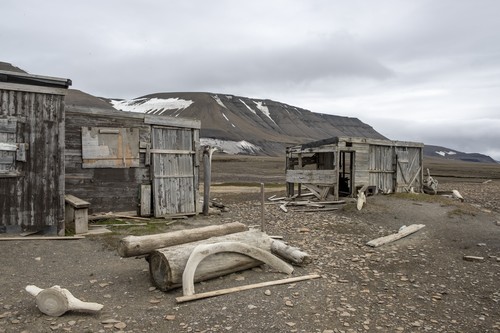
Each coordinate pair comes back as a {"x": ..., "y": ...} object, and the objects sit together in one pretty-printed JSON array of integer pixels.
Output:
[
  {"x": 124, "y": 161},
  {"x": 338, "y": 166},
  {"x": 31, "y": 152}
]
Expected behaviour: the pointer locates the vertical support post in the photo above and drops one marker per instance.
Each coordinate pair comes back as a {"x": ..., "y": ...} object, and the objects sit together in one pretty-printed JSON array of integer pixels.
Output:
[
  {"x": 262, "y": 211},
  {"x": 207, "y": 176}
]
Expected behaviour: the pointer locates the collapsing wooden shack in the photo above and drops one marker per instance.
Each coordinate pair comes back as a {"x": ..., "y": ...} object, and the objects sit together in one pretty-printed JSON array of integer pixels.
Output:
[
  {"x": 341, "y": 165},
  {"x": 31, "y": 152},
  {"x": 123, "y": 161}
]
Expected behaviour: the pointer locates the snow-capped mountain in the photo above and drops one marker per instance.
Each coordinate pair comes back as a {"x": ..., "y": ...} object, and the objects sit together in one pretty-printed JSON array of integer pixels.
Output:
[{"x": 255, "y": 126}]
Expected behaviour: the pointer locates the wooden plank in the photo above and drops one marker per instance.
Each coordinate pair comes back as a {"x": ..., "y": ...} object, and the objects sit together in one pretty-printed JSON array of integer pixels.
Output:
[
  {"x": 41, "y": 238},
  {"x": 8, "y": 146},
  {"x": 171, "y": 121},
  {"x": 76, "y": 202},
  {"x": 33, "y": 88},
  {"x": 145, "y": 200},
  {"x": 171, "y": 151},
  {"x": 182, "y": 299},
  {"x": 326, "y": 177},
  {"x": 394, "y": 237}
]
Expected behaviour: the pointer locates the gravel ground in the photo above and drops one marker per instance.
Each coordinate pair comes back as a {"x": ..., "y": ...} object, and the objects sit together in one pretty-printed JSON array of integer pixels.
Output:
[{"x": 418, "y": 284}]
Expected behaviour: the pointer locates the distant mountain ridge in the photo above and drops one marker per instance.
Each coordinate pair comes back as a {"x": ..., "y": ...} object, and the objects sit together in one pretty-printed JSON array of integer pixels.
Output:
[
  {"x": 242, "y": 125},
  {"x": 451, "y": 154},
  {"x": 267, "y": 125}
]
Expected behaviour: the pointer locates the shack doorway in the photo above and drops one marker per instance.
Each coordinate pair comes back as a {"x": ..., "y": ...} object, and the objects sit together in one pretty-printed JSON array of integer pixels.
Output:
[
  {"x": 346, "y": 173},
  {"x": 172, "y": 171}
]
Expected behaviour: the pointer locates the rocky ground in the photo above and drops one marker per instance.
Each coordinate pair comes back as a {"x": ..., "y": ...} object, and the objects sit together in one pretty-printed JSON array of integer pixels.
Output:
[{"x": 418, "y": 284}]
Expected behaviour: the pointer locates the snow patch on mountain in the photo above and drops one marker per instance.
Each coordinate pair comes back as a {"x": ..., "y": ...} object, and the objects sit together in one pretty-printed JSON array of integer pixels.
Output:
[
  {"x": 249, "y": 108},
  {"x": 232, "y": 147},
  {"x": 264, "y": 109},
  {"x": 217, "y": 99},
  {"x": 225, "y": 117},
  {"x": 151, "y": 105},
  {"x": 444, "y": 153}
]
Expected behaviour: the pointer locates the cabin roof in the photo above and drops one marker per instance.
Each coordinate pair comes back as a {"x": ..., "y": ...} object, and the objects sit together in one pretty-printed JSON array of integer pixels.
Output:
[
  {"x": 35, "y": 80},
  {"x": 334, "y": 141}
]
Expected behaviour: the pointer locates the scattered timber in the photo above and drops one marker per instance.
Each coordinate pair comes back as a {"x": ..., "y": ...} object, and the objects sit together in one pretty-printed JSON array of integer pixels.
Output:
[
  {"x": 166, "y": 265},
  {"x": 473, "y": 258},
  {"x": 247, "y": 287},
  {"x": 137, "y": 245},
  {"x": 40, "y": 238},
  {"x": 403, "y": 232}
]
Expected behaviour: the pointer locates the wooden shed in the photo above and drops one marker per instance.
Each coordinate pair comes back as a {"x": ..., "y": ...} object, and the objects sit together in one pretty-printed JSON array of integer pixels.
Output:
[
  {"x": 124, "y": 161},
  {"x": 31, "y": 152},
  {"x": 338, "y": 166}
]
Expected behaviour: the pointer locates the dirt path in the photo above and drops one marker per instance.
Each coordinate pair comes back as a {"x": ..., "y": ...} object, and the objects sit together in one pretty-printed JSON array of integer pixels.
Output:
[{"x": 418, "y": 284}]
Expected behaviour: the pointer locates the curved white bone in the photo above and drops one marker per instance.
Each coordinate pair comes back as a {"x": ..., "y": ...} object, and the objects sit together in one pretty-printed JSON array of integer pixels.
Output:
[
  {"x": 204, "y": 250},
  {"x": 55, "y": 301}
]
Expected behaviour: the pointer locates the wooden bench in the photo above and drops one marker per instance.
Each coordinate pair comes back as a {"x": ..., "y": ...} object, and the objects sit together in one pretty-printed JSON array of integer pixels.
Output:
[{"x": 77, "y": 218}]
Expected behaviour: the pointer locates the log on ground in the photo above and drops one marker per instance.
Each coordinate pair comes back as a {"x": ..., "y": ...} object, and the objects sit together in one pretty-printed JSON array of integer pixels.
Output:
[
  {"x": 167, "y": 265},
  {"x": 138, "y": 245}
]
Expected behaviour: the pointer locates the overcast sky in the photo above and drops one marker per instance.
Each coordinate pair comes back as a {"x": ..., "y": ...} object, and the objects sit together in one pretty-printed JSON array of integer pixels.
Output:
[{"x": 416, "y": 70}]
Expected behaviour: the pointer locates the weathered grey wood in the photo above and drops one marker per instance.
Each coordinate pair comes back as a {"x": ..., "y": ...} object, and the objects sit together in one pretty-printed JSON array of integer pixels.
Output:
[
  {"x": 262, "y": 208},
  {"x": 145, "y": 209},
  {"x": 107, "y": 147},
  {"x": 111, "y": 189},
  {"x": 207, "y": 177},
  {"x": 202, "y": 251},
  {"x": 311, "y": 176},
  {"x": 167, "y": 265},
  {"x": 219, "y": 292},
  {"x": 38, "y": 238},
  {"x": 76, "y": 214},
  {"x": 473, "y": 258},
  {"x": 290, "y": 253},
  {"x": 173, "y": 178},
  {"x": 137, "y": 245},
  {"x": 171, "y": 121},
  {"x": 76, "y": 202},
  {"x": 8, "y": 146},
  {"x": 394, "y": 237},
  {"x": 32, "y": 187}
]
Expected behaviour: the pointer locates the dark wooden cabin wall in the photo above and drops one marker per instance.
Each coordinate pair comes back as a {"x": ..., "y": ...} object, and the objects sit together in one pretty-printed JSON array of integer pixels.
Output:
[
  {"x": 107, "y": 189},
  {"x": 34, "y": 200}
]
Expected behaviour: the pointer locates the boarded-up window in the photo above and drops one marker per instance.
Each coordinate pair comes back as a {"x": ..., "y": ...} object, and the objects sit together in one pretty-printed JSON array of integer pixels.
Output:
[
  {"x": 8, "y": 148},
  {"x": 106, "y": 147}
]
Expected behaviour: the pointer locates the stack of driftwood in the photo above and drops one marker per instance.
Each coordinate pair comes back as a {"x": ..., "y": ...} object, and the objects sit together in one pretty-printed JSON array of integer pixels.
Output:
[
  {"x": 305, "y": 203},
  {"x": 183, "y": 257}
]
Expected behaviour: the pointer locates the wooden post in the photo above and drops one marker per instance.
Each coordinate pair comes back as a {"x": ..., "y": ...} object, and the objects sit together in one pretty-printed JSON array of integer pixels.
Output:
[
  {"x": 262, "y": 208},
  {"x": 207, "y": 176}
]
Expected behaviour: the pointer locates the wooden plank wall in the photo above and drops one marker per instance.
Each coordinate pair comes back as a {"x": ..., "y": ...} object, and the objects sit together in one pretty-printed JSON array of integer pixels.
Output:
[
  {"x": 381, "y": 169},
  {"x": 106, "y": 189},
  {"x": 361, "y": 164},
  {"x": 35, "y": 200},
  {"x": 173, "y": 184}
]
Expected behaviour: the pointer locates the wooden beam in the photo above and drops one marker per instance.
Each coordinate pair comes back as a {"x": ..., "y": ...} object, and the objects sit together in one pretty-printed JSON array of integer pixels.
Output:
[
  {"x": 41, "y": 238},
  {"x": 182, "y": 299},
  {"x": 394, "y": 237}
]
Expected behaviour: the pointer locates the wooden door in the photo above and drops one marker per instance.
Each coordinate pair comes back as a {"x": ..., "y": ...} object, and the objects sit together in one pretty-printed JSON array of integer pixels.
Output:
[
  {"x": 408, "y": 169},
  {"x": 381, "y": 168},
  {"x": 173, "y": 171}
]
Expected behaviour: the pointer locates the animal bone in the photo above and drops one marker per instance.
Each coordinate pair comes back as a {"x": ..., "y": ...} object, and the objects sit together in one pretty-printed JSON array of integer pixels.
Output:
[{"x": 55, "y": 301}]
